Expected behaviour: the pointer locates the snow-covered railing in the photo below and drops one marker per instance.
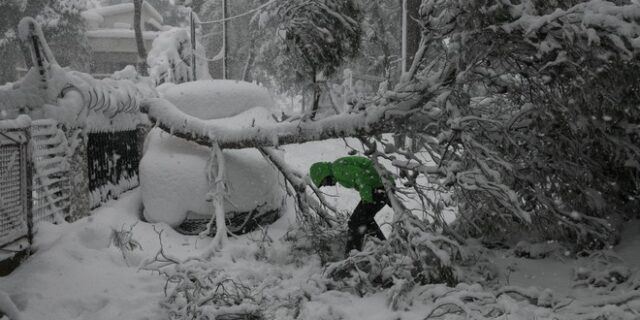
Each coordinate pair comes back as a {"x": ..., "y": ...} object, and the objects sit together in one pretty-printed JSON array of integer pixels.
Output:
[
  {"x": 85, "y": 108},
  {"x": 15, "y": 183},
  {"x": 51, "y": 172}
]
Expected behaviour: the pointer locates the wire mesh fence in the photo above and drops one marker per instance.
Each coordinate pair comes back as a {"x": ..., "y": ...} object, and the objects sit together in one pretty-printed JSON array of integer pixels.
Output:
[
  {"x": 113, "y": 164},
  {"x": 15, "y": 183}
]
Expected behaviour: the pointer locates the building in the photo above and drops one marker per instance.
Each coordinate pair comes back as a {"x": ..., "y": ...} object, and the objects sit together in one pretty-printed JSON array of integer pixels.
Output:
[{"x": 112, "y": 39}]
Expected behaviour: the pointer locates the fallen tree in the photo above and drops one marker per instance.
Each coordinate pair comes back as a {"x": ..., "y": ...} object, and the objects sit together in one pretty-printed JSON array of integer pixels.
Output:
[
  {"x": 384, "y": 119},
  {"x": 525, "y": 112}
]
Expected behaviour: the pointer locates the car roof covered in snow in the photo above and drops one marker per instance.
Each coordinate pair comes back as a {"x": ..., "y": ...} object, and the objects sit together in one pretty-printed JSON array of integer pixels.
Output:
[{"x": 216, "y": 99}]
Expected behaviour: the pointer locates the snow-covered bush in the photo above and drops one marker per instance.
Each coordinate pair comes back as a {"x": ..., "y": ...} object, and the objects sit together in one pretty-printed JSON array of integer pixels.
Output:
[
  {"x": 606, "y": 272},
  {"x": 313, "y": 236},
  {"x": 169, "y": 59}
]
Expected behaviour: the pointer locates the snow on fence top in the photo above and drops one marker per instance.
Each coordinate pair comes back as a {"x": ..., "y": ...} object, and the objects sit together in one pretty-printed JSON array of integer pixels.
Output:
[
  {"x": 76, "y": 100},
  {"x": 22, "y": 121}
]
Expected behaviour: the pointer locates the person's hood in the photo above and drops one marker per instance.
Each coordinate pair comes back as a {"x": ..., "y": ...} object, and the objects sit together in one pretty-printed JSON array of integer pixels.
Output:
[{"x": 319, "y": 171}]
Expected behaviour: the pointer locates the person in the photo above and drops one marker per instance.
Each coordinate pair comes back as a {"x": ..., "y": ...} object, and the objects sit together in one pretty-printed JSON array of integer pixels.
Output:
[{"x": 355, "y": 173}]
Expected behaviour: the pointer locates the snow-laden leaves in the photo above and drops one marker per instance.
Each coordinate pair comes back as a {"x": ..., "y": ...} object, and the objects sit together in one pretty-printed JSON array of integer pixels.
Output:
[{"x": 536, "y": 112}]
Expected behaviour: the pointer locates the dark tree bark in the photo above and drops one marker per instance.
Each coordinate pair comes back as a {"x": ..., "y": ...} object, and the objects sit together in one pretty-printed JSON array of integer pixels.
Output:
[
  {"x": 316, "y": 95},
  {"x": 137, "y": 27},
  {"x": 246, "y": 72},
  {"x": 413, "y": 31}
]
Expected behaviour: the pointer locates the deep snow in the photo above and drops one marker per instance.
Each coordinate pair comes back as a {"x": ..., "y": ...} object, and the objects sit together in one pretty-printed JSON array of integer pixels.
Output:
[{"x": 76, "y": 273}]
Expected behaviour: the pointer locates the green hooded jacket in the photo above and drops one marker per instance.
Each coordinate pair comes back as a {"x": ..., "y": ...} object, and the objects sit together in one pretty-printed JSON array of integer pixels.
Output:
[{"x": 351, "y": 172}]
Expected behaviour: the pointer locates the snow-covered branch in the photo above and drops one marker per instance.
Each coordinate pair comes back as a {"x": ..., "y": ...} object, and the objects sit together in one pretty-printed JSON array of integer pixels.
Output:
[
  {"x": 374, "y": 120},
  {"x": 299, "y": 184},
  {"x": 8, "y": 307},
  {"x": 216, "y": 177}
]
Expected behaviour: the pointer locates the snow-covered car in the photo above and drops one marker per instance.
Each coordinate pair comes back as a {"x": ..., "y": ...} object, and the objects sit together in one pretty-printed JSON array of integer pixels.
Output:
[{"x": 173, "y": 172}]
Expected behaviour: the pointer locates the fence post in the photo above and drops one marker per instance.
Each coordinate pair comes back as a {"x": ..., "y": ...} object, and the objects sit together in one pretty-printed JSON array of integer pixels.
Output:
[{"x": 28, "y": 156}]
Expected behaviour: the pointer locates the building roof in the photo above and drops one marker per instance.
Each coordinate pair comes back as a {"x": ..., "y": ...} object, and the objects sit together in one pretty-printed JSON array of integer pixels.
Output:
[{"x": 97, "y": 13}]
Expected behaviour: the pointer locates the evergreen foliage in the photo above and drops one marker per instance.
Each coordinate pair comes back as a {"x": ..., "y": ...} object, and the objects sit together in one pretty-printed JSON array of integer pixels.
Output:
[
  {"x": 540, "y": 128},
  {"x": 62, "y": 26}
]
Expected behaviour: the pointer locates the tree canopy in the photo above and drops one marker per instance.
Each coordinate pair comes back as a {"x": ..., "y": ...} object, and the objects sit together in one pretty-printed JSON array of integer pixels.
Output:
[{"x": 62, "y": 26}]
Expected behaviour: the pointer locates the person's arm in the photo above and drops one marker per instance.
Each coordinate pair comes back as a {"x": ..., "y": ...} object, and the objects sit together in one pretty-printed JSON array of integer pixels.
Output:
[
  {"x": 366, "y": 193},
  {"x": 364, "y": 186}
]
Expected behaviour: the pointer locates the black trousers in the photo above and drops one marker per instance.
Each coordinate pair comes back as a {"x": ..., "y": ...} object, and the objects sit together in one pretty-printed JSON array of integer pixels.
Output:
[{"x": 362, "y": 221}]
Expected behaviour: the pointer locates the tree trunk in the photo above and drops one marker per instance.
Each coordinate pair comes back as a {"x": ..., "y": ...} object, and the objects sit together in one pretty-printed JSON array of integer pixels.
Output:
[
  {"x": 412, "y": 32},
  {"x": 316, "y": 96},
  {"x": 246, "y": 73},
  {"x": 137, "y": 27}
]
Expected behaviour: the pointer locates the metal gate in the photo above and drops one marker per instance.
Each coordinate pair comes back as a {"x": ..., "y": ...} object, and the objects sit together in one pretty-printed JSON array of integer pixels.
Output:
[{"x": 15, "y": 183}]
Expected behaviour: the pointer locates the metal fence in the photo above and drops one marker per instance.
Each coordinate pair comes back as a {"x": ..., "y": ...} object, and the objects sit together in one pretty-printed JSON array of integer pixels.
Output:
[
  {"x": 15, "y": 186},
  {"x": 113, "y": 164},
  {"x": 51, "y": 172},
  {"x": 35, "y": 179}
]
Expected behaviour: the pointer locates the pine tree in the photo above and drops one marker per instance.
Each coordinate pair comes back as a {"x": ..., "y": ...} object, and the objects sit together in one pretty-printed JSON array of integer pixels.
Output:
[{"x": 62, "y": 26}]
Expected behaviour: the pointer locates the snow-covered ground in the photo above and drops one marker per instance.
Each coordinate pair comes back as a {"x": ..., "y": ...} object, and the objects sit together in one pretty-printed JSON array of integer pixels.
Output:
[{"x": 77, "y": 272}]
